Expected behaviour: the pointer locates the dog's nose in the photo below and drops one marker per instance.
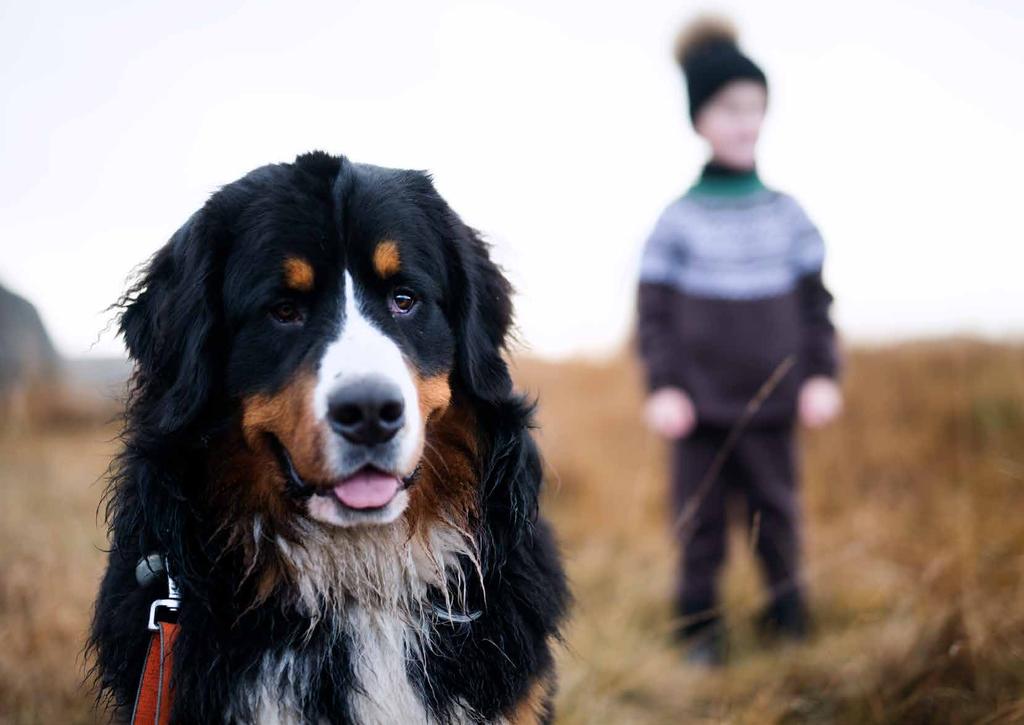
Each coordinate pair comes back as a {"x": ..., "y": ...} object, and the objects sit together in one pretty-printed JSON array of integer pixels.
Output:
[{"x": 367, "y": 411}]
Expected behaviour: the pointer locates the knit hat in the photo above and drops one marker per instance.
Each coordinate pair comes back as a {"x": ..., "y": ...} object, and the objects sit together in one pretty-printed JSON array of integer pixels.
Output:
[{"x": 707, "y": 51}]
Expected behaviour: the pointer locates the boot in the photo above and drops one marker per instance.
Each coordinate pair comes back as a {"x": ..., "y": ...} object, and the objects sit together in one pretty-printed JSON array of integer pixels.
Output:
[
  {"x": 785, "y": 618},
  {"x": 702, "y": 634},
  {"x": 708, "y": 647}
]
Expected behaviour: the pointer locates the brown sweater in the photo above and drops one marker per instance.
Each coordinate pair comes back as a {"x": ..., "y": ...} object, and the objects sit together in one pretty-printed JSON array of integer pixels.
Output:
[{"x": 730, "y": 288}]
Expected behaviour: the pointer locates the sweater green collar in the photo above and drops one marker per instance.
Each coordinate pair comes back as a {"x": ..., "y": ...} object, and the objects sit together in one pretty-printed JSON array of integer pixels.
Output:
[{"x": 717, "y": 180}]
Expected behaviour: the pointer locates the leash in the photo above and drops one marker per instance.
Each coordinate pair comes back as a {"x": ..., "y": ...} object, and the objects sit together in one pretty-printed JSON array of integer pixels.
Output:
[{"x": 153, "y": 696}]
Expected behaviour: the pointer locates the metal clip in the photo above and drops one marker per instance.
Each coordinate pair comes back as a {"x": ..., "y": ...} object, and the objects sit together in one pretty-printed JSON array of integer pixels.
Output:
[{"x": 170, "y": 604}]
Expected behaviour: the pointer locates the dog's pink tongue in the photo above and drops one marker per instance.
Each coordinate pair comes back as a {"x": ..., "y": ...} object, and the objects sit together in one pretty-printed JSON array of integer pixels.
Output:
[{"x": 367, "y": 490}]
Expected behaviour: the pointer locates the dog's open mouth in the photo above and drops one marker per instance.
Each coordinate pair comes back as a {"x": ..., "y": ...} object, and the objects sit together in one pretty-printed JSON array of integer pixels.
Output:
[{"x": 367, "y": 489}]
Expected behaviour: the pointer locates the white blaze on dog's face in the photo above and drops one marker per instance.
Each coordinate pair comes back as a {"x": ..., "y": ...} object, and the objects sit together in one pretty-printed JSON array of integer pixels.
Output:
[{"x": 365, "y": 396}]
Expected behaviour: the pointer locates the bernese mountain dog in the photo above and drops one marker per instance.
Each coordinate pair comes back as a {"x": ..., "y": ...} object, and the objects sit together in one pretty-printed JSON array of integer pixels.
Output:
[{"x": 323, "y": 448}]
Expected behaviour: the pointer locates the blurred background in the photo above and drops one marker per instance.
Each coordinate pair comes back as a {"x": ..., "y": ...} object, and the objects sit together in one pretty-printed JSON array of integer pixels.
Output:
[{"x": 560, "y": 131}]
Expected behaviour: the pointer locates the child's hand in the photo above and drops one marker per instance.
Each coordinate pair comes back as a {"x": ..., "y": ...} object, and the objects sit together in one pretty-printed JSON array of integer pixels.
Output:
[
  {"x": 821, "y": 402},
  {"x": 669, "y": 412}
]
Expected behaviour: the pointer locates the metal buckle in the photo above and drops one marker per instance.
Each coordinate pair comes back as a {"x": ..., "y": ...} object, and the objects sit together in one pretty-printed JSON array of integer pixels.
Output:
[{"x": 171, "y": 603}]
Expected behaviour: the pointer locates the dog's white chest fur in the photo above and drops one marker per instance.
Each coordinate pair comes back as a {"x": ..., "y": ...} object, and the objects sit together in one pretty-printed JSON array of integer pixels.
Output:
[
  {"x": 382, "y": 651},
  {"x": 370, "y": 591}
]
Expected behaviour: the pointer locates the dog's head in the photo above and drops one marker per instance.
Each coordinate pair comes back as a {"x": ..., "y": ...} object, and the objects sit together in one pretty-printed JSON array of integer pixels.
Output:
[{"x": 310, "y": 324}]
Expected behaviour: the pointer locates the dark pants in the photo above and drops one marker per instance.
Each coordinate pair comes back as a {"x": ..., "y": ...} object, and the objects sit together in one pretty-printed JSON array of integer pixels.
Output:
[{"x": 761, "y": 471}]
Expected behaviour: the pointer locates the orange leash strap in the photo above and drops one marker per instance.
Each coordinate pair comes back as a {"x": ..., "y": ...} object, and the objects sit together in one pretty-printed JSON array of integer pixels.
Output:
[
  {"x": 153, "y": 697},
  {"x": 153, "y": 700}
]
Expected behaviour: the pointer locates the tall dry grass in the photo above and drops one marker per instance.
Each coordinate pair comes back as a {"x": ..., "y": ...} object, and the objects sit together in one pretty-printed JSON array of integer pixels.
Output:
[
  {"x": 915, "y": 551},
  {"x": 915, "y": 548},
  {"x": 50, "y": 565}
]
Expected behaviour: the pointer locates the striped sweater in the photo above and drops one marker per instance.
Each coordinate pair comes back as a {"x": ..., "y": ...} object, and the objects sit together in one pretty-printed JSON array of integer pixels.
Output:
[{"x": 731, "y": 286}]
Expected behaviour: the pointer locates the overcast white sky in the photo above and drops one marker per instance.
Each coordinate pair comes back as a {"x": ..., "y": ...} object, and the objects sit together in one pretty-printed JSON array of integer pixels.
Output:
[{"x": 558, "y": 129}]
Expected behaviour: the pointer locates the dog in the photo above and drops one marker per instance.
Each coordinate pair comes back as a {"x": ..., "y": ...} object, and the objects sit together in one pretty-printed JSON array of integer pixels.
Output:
[{"x": 323, "y": 446}]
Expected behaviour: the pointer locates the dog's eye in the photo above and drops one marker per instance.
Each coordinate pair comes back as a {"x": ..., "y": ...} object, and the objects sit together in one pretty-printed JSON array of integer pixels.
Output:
[
  {"x": 287, "y": 313},
  {"x": 402, "y": 301}
]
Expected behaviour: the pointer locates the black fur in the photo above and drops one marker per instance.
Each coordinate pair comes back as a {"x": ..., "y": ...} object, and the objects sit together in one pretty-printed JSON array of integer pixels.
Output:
[{"x": 192, "y": 326}]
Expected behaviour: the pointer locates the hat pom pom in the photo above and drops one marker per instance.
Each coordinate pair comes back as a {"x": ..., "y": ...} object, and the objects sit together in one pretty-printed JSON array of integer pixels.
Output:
[{"x": 702, "y": 33}]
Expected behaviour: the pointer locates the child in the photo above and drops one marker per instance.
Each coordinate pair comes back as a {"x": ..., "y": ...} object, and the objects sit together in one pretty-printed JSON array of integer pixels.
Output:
[{"x": 731, "y": 297}]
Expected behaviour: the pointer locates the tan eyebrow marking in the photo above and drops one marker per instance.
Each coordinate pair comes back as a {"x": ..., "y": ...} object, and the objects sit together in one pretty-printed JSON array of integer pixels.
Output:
[
  {"x": 298, "y": 274},
  {"x": 435, "y": 393},
  {"x": 386, "y": 260}
]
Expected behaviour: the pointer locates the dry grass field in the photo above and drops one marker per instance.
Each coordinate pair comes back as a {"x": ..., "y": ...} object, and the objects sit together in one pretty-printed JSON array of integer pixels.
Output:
[{"x": 915, "y": 510}]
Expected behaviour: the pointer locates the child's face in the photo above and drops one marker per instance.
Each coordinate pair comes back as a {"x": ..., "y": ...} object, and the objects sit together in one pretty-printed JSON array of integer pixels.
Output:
[{"x": 731, "y": 122}]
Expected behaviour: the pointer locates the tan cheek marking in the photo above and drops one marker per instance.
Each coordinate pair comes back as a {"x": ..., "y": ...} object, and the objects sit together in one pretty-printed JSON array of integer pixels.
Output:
[
  {"x": 434, "y": 393},
  {"x": 386, "y": 260},
  {"x": 298, "y": 274},
  {"x": 531, "y": 710},
  {"x": 249, "y": 479},
  {"x": 446, "y": 491},
  {"x": 289, "y": 416}
]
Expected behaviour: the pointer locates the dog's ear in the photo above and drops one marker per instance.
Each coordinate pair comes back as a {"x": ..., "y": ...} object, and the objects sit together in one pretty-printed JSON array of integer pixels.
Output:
[
  {"x": 482, "y": 312},
  {"x": 168, "y": 320}
]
